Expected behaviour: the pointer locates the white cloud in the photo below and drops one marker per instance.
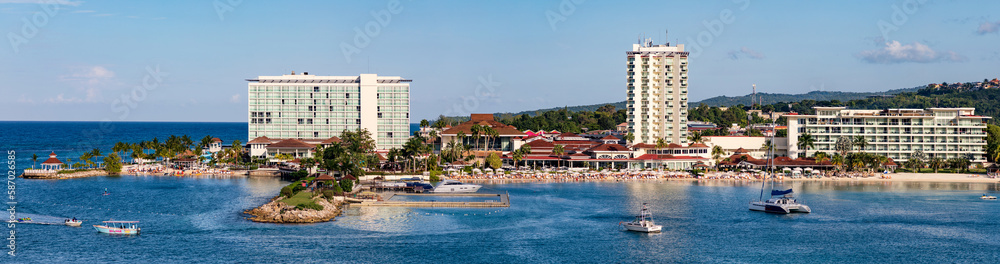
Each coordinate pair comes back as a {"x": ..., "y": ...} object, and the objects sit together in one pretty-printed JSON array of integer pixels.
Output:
[
  {"x": 89, "y": 80},
  {"x": 60, "y": 2},
  {"x": 894, "y": 52},
  {"x": 62, "y": 99},
  {"x": 988, "y": 27},
  {"x": 25, "y": 99},
  {"x": 235, "y": 98},
  {"x": 92, "y": 75},
  {"x": 745, "y": 52}
]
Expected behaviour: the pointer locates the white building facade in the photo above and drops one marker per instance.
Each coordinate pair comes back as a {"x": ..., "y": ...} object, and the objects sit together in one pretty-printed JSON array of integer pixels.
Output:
[
  {"x": 320, "y": 107},
  {"x": 945, "y": 133},
  {"x": 657, "y": 82}
]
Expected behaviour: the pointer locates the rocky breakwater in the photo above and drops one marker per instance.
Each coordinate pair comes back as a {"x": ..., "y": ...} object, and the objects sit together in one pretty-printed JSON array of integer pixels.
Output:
[
  {"x": 279, "y": 212},
  {"x": 51, "y": 174}
]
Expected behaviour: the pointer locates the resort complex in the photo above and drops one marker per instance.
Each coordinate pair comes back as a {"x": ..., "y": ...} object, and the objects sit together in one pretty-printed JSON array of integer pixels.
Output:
[
  {"x": 307, "y": 106},
  {"x": 946, "y": 133},
  {"x": 657, "y": 89}
]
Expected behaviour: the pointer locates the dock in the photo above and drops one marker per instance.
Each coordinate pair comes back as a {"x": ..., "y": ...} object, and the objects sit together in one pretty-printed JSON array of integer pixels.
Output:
[{"x": 503, "y": 200}]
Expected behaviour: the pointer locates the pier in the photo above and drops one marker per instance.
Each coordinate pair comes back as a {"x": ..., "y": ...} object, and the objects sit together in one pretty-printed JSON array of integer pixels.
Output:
[{"x": 503, "y": 200}]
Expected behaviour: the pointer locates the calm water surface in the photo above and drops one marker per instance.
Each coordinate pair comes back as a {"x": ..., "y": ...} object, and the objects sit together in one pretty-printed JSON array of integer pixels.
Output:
[{"x": 199, "y": 220}]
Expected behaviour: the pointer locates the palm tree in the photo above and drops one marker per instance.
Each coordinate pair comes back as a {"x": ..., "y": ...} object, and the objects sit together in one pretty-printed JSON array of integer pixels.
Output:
[
  {"x": 837, "y": 161},
  {"x": 85, "y": 157},
  {"x": 717, "y": 152},
  {"x": 96, "y": 153},
  {"x": 238, "y": 146},
  {"x": 475, "y": 134},
  {"x": 767, "y": 146},
  {"x": 494, "y": 134},
  {"x": 695, "y": 137},
  {"x": 936, "y": 163},
  {"x": 806, "y": 141},
  {"x": 861, "y": 143},
  {"x": 559, "y": 150},
  {"x": 660, "y": 144},
  {"x": 629, "y": 138},
  {"x": 520, "y": 153},
  {"x": 34, "y": 160},
  {"x": 198, "y": 152},
  {"x": 205, "y": 141}
]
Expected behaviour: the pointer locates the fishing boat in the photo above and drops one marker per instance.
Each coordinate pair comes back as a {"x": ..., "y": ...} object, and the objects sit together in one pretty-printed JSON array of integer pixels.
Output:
[
  {"x": 643, "y": 222},
  {"x": 73, "y": 222},
  {"x": 119, "y": 227},
  {"x": 988, "y": 197}
]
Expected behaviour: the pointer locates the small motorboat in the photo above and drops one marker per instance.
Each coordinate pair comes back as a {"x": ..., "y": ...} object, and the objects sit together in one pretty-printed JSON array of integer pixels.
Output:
[
  {"x": 119, "y": 227},
  {"x": 73, "y": 222},
  {"x": 988, "y": 197},
  {"x": 643, "y": 222}
]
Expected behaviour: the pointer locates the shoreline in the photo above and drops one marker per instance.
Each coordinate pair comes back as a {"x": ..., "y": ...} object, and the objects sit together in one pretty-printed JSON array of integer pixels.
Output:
[
  {"x": 893, "y": 177},
  {"x": 277, "y": 212}
]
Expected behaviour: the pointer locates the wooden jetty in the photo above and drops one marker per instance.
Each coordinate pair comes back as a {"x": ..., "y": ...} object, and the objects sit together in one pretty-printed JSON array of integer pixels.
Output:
[{"x": 503, "y": 200}]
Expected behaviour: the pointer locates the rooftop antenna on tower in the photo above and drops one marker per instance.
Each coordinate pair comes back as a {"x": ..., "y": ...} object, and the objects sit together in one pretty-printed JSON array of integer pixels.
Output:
[{"x": 666, "y": 36}]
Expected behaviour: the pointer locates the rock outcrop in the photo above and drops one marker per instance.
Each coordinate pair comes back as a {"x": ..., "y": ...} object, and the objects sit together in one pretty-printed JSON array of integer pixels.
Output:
[{"x": 277, "y": 212}]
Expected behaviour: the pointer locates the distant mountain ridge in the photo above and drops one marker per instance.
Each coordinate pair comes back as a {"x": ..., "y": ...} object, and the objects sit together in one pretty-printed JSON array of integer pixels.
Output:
[
  {"x": 767, "y": 98},
  {"x": 772, "y": 98}
]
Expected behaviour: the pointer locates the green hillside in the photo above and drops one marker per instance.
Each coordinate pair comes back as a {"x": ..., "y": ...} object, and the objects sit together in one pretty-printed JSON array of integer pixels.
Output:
[
  {"x": 771, "y": 98},
  {"x": 768, "y": 98}
]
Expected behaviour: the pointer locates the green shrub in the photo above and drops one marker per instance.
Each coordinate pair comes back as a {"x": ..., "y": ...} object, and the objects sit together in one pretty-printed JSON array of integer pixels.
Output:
[
  {"x": 287, "y": 191},
  {"x": 346, "y": 185},
  {"x": 337, "y": 189},
  {"x": 328, "y": 194},
  {"x": 309, "y": 205},
  {"x": 435, "y": 175}
]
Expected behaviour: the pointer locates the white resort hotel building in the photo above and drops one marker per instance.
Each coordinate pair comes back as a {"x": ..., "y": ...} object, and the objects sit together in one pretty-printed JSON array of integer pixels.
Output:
[
  {"x": 895, "y": 133},
  {"x": 657, "y": 81},
  {"x": 311, "y": 107}
]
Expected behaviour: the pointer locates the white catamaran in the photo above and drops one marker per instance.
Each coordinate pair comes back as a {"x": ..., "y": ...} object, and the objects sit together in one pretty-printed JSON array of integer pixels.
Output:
[{"x": 781, "y": 205}]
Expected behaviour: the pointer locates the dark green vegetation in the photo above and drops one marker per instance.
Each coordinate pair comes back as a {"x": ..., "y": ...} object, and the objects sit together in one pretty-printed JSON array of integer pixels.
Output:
[
  {"x": 772, "y": 98},
  {"x": 605, "y": 117},
  {"x": 985, "y": 102}
]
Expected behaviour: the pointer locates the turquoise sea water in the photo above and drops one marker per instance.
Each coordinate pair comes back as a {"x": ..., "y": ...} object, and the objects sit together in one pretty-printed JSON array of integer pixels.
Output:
[{"x": 200, "y": 220}]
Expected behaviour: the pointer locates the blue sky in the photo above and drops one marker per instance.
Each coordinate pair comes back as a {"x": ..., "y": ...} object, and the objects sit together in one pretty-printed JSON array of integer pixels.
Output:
[{"x": 76, "y": 60}]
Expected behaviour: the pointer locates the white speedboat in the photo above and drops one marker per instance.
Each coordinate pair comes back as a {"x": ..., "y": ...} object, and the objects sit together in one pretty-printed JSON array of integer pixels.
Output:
[
  {"x": 988, "y": 197},
  {"x": 73, "y": 222},
  {"x": 452, "y": 186},
  {"x": 781, "y": 205},
  {"x": 643, "y": 222}
]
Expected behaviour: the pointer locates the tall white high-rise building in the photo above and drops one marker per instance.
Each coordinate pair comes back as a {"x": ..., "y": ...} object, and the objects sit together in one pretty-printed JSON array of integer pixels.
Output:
[
  {"x": 657, "y": 81},
  {"x": 319, "y": 107}
]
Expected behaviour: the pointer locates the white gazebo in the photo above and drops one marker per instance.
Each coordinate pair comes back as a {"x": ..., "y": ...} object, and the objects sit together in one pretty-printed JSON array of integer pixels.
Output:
[{"x": 52, "y": 163}]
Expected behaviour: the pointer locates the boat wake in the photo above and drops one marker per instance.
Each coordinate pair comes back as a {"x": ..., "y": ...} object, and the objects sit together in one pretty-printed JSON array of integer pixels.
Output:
[{"x": 35, "y": 219}]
